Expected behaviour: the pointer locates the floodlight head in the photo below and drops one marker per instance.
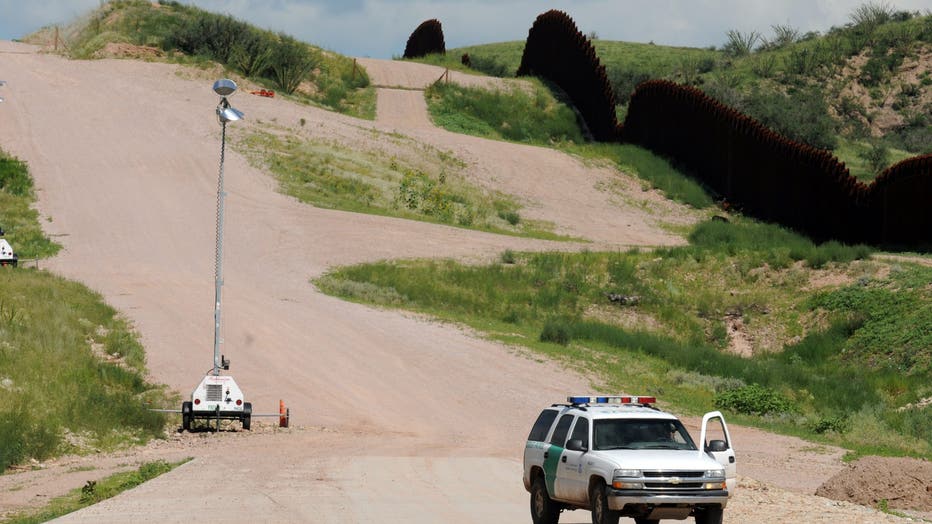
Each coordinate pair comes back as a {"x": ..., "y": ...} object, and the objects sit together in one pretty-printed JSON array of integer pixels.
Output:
[
  {"x": 224, "y": 87},
  {"x": 227, "y": 113}
]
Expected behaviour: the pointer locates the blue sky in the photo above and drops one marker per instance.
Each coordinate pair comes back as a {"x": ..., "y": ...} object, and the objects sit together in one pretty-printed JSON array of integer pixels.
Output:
[{"x": 380, "y": 28}]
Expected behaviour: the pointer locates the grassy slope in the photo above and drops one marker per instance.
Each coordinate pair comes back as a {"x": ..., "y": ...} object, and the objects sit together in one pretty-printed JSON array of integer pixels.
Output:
[
  {"x": 54, "y": 333},
  {"x": 415, "y": 182},
  {"x": 337, "y": 83},
  {"x": 831, "y": 362},
  {"x": 810, "y": 64}
]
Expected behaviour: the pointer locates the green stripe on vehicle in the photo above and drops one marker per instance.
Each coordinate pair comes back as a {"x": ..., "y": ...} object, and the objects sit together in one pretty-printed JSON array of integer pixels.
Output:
[{"x": 550, "y": 466}]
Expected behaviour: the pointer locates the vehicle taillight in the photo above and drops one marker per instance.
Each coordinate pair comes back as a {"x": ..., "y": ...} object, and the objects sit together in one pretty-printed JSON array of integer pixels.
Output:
[
  {"x": 239, "y": 401},
  {"x": 197, "y": 401}
]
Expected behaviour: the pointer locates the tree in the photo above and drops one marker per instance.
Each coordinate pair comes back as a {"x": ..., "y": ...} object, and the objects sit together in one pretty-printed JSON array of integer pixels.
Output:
[{"x": 291, "y": 63}]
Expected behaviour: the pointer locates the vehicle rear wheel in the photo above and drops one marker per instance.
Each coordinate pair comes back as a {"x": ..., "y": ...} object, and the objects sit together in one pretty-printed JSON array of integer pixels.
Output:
[
  {"x": 247, "y": 415},
  {"x": 601, "y": 514},
  {"x": 543, "y": 509},
  {"x": 710, "y": 516},
  {"x": 186, "y": 416}
]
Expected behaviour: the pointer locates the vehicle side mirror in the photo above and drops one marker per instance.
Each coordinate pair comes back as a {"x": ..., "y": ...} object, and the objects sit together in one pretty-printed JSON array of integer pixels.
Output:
[
  {"x": 718, "y": 445},
  {"x": 576, "y": 445}
]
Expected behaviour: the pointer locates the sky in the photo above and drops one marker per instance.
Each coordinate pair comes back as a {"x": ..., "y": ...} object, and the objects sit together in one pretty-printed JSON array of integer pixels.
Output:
[{"x": 380, "y": 28}]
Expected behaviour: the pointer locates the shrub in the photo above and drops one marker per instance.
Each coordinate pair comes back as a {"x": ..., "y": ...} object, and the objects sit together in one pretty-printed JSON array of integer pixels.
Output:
[
  {"x": 291, "y": 63},
  {"x": 512, "y": 217},
  {"x": 801, "y": 115},
  {"x": 740, "y": 44},
  {"x": 490, "y": 66},
  {"x": 753, "y": 400},
  {"x": 558, "y": 331},
  {"x": 14, "y": 176},
  {"x": 624, "y": 79},
  {"x": 836, "y": 424}
]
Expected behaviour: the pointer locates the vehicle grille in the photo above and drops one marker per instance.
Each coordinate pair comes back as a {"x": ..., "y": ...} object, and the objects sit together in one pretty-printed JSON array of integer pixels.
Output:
[
  {"x": 673, "y": 480},
  {"x": 680, "y": 474},
  {"x": 214, "y": 392}
]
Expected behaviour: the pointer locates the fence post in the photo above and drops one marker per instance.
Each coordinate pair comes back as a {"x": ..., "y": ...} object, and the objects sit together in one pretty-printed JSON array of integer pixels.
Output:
[{"x": 354, "y": 70}]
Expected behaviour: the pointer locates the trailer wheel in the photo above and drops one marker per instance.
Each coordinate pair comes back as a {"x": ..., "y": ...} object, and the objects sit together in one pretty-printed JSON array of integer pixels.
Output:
[
  {"x": 186, "y": 416},
  {"x": 247, "y": 415}
]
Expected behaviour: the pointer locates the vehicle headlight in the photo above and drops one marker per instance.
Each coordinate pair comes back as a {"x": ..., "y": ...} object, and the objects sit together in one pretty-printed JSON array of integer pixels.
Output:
[
  {"x": 714, "y": 473},
  {"x": 620, "y": 479}
]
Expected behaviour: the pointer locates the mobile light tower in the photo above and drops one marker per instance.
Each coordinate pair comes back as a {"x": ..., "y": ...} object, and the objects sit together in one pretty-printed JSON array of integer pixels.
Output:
[{"x": 217, "y": 396}]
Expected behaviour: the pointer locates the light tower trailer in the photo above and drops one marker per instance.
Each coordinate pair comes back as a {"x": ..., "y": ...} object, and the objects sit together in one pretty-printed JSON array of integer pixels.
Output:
[{"x": 218, "y": 398}]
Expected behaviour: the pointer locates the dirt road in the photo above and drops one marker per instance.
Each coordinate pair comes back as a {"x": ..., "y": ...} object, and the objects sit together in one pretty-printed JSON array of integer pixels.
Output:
[{"x": 399, "y": 419}]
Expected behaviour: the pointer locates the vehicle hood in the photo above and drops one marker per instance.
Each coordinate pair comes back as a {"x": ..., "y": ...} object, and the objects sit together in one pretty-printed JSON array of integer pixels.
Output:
[{"x": 659, "y": 459}]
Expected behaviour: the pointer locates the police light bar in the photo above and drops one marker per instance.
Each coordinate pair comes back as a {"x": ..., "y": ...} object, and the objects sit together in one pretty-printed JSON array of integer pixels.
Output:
[{"x": 621, "y": 399}]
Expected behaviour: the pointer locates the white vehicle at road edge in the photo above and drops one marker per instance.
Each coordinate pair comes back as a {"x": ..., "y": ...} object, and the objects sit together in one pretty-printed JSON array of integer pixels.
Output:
[
  {"x": 7, "y": 256},
  {"x": 621, "y": 456}
]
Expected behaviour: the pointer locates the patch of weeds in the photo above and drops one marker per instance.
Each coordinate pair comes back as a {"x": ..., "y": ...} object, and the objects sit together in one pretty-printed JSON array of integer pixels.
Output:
[{"x": 753, "y": 400}]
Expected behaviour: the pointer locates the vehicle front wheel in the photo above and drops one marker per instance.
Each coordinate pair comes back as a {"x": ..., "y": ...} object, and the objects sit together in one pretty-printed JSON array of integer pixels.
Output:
[
  {"x": 599, "y": 501},
  {"x": 247, "y": 415},
  {"x": 543, "y": 509},
  {"x": 710, "y": 516}
]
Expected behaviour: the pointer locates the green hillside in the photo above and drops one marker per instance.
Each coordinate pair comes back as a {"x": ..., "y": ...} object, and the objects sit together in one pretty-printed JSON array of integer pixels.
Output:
[
  {"x": 861, "y": 90},
  {"x": 172, "y": 31}
]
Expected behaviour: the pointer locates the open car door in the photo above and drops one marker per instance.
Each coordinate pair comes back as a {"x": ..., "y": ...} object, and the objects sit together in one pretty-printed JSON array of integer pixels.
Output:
[{"x": 716, "y": 441}]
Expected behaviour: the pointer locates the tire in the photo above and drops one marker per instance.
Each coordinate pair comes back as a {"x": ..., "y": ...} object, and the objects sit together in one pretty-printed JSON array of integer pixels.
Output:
[
  {"x": 247, "y": 415},
  {"x": 598, "y": 500},
  {"x": 186, "y": 416},
  {"x": 710, "y": 516},
  {"x": 543, "y": 509}
]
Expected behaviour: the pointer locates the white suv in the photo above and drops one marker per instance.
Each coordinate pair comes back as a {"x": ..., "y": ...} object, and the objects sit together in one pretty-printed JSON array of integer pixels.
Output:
[{"x": 621, "y": 457}]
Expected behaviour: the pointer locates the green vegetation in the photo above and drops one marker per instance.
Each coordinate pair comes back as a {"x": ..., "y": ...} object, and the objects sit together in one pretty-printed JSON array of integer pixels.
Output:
[
  {"x": 517, "y": 115},
  {"x": 654, "y": 170},
  {"x": 68, "y": 366},
  {"x": 538, "y": 118},
  {"x": 830, "y": 363},
  {"x": 501, "y": 59},
  {"x": 19, "y": 221},
  {"x": 865, "y": 160},
  {"x": 801, "y": 85},
  {"x": 54, "y": 381},
  {"x": 95, "y": 491},
  {"x": 189, "y": 34},
  {"x": 422, "y": 183}
]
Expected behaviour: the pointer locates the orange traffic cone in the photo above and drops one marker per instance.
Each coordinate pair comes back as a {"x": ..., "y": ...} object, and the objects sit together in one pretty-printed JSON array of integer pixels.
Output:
[{"x": 283, "y": 414}]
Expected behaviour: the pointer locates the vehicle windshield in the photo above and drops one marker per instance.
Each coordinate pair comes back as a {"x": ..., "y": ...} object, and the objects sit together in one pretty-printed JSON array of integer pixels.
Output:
[{"x": 627, "y": 433}]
